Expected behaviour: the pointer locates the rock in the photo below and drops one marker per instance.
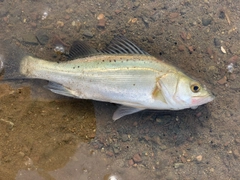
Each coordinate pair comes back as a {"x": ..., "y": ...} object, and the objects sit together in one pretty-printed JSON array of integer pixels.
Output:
[
  {"x": 173, "y": 15},
  {"x": 125, "y": 137},
  {"x": 178, "y": 165},
  {"x": 42, "y": 38},
  {"x": 206, "y": 21},
  {"x": 88, "y": 33},
  {"x": 109, "y": 153},
  {"x": 130, "y": 162},
  {"x": 100, "y": 16},
  {"x": 101, "y": 23},
  {"x": 181, "y": 47},
  {"x": 223, "y": 80},
  {"x": 236, "y": 153},
  {"x": 29, "y": 39},
  {"x": 199, "y": 158},
  {"x": 233, "y": 59},
  {"x": 116, "y": 149},
  {"x": 60, "y": 24},
  {"x": 217, "y": 42},
  {"x": 137, "y": 158}
]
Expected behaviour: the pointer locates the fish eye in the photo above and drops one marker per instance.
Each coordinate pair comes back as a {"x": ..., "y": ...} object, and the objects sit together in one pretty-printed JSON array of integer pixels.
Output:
[{"x": 195, "y": 88}]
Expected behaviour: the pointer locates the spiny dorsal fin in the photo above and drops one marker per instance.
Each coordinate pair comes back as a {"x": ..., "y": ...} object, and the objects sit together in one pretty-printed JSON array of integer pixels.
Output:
[
  {"x": 121, "y": 45},
  {"x": 80, "y": 49}
]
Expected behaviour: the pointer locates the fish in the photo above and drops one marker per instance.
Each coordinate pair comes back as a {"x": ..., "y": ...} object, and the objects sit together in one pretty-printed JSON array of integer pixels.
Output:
[{"x": 122, "y": 73}]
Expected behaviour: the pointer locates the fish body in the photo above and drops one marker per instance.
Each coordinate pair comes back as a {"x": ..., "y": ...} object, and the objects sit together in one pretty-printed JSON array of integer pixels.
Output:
[{"x": 122, "y": 74}]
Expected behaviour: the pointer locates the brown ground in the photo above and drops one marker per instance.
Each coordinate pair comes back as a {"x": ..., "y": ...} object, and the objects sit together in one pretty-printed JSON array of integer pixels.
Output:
[{"x": 43, "y": 136}]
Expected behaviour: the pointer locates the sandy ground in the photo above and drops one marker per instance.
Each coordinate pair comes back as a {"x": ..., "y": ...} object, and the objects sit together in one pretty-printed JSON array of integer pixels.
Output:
[{"x": 44, "y": 136}]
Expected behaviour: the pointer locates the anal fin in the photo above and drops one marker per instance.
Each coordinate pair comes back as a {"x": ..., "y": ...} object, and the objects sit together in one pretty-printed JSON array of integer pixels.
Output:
[
  {"x": 123, "y": 111},
  {"x": 60, "y": 89}
]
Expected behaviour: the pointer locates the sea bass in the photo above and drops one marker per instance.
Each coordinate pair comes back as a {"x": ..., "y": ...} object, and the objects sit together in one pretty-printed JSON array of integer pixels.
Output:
[{"x": 122, "y": 74}]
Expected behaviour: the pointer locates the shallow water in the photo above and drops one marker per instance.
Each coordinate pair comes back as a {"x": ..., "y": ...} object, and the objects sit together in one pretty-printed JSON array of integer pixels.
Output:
[{"x": 46, "y": 136}]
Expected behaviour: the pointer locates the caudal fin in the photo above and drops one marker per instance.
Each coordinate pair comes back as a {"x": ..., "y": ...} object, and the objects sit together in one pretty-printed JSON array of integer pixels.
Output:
[{"x": 10, "y": 59}]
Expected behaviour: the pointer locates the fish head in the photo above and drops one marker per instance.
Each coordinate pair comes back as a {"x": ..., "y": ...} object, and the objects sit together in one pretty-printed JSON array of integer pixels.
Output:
[{"x": 181, "y": 91}]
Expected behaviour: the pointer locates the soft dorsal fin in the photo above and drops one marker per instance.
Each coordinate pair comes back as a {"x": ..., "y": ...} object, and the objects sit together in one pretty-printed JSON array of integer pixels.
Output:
[
  {"x": 121, "y": 45},
  {"x": 80, "y": 49}
]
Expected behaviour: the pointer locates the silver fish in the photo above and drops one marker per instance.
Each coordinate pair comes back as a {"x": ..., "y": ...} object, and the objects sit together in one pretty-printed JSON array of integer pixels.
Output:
[{"x": 122, "y": 74}]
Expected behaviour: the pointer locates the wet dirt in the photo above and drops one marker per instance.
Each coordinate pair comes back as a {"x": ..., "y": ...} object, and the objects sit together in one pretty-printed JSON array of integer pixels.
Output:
[{"x": 43, "y": 136}]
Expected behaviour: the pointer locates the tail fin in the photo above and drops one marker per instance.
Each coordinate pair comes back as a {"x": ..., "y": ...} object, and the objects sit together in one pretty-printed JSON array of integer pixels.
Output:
[{"x": 10, "y": 59}]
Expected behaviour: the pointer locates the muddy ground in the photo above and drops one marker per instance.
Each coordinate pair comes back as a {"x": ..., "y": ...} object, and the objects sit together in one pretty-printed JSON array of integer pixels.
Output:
[{"x": 45, "y": 136}]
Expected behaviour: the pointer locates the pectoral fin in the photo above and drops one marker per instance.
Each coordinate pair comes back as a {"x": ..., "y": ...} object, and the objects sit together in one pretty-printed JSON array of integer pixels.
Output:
[{"x": 123, "y": 111}]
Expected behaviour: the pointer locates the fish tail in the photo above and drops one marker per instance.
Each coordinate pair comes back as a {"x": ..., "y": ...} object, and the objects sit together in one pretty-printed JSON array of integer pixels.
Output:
[{"x": 11, "y": 58}]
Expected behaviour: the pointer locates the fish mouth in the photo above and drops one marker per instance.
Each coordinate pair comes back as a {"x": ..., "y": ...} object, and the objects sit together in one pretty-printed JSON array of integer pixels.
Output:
[{"x": 199, "y": 100}]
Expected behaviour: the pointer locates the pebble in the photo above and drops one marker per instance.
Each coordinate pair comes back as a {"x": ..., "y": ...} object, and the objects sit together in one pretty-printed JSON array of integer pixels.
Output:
[
  {"x": 42, "y": 38},
  {"x": 137, "y": 158},
  {"x": 60, "y": 24},
  {"x": 130, "y": 162},
  {"x": 236, "y": 153},
  {"x": 29, "y": 39},
  {"x": 199, "y": 158},
  {"x": 223, "y": 50},
  {"x": 223, "y": 80},
  {"x": 100, "y": 16},
  {"x": 125, "y": 137},
  {"x": 206, "y": 21},
  {"x": 109, "y": 153},
  {"x": 233, "y": 59},
  {"x": 134, "y": 20},
  {"x": 173, "y": 15},
  {"x": 217, "y": 42},
  {"x": 116, "y": 149},
  {"x": 178, "y": 165},
  {"x": 181, "y": 47},
  {"x": 88, "y": 33},
  {"x": 101, "y": 23}
]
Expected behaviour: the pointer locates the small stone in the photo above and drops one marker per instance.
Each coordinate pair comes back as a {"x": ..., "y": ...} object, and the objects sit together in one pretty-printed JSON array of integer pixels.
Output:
[
  {"x": 101, "y": 23},
  {"x": 217, "y": 42},
  {"x": 223, "y": 80},
  {"x": 173, "y": 15},
  {"x": 125, "y": 137},
  {"x": 109, "y": 153},
  {"x": 116, "y": 149},
  {"x": 223, "y": 50},
  {"x": 137, "y": 158},
  {"x": 134, "y": 20},
  {"x": 118, "y": 11},
  {"x": 88, "y": 33},
  {"x": 181, "y": 47},
  {"x": 236, "y": 153},
  {"x": 60, "y": 24},
  {"x": 237, "y": 140},
  {"x": 206, "y": 21},
  {"x": 100, "y": 16},
  {"x": 233, "y": 59},
  {"x": 130, "y": 162},
  {"x": 178, "y": 165},
  {"x": 67, "y": 17},
  {"x": 191, "y": 49},
  {"x": 199, "y": 158},
  {"x": 42, "y": 37},
  {"x": 29, "y": 39}
]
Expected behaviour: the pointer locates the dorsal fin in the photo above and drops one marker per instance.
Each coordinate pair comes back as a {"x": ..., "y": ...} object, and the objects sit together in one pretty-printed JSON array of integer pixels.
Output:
[
  {"x": 80, "y": 49},
  {"x": 121, "y": 45},
  {"x": 118, "y": 45}
]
